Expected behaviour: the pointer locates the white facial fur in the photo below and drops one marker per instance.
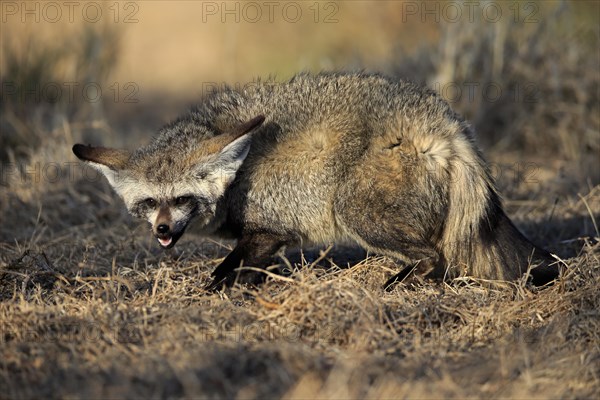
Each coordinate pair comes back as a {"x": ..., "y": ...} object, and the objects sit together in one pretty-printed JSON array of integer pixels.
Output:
[{"x": 207, "y": 181}]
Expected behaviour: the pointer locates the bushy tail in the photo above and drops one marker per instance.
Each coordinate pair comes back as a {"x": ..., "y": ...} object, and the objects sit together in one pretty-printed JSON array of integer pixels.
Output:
[{"x": 479, "y": 240}]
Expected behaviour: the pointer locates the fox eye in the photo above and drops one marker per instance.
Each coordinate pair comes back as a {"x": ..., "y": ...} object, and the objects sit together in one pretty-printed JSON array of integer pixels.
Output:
[
  {"x": 181, "y": 200},
  {"x": 150, "y": 202}
]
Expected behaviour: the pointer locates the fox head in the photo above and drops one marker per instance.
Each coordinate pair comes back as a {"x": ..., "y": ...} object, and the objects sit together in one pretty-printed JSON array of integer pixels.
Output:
[{"x": 178, "y": 177}]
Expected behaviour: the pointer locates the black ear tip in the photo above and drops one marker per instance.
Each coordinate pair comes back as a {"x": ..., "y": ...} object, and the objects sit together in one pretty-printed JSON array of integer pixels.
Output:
[
  {"x": 256, "y": 122},
  {"x": 249, "y": 125},
  {"x": 79, "y": 150}
]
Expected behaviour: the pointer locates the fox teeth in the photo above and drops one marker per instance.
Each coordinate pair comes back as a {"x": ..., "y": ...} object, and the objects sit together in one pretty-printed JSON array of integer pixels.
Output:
[{"x": 165, "y": 242}]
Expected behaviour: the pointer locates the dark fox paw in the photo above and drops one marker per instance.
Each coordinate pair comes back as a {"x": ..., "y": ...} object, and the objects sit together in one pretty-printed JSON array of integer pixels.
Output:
[
  {"x": 227, "y": 280},
  {"x": 398, "y": 278},
  {"x": 410, "y": 273},
  {"x": 221, "y": 281}
]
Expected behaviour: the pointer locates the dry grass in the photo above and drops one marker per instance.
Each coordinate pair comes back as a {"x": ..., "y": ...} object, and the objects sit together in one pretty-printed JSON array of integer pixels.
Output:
[
  {"x": 90, "y": 307},
  {"x": 76, "y": 323}
]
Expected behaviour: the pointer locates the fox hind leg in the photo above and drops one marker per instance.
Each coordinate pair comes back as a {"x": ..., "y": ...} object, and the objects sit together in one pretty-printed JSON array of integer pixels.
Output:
[
  {"x": 392, "y": 205},
  {"x": 417, "y": 256}
]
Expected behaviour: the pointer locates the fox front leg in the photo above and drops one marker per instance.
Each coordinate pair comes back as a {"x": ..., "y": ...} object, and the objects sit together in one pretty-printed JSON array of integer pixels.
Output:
[{"x": 253, "y": 249}]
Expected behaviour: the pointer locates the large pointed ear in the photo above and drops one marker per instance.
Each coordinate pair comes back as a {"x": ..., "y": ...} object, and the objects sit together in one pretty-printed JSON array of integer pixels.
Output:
[
  {"x": 108, "y": 161},
  {"x": 231, "y": 157}
]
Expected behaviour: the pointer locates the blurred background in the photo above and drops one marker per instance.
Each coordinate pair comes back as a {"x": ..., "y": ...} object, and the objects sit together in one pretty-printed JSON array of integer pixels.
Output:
[{"x": 525, "y": 73}]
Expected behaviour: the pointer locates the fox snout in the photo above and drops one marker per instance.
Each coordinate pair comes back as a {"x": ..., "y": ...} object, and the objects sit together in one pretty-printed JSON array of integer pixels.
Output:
[
  {"x": 164, "y": 235},
  {"x": 164, "y": 229}
]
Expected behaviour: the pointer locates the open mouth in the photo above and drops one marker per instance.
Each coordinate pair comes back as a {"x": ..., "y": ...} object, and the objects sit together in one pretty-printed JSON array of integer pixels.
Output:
[{"x": 165, "y": 242}]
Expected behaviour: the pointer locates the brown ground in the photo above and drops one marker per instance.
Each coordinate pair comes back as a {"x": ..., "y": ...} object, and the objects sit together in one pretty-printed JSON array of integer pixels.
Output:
[{"x": 92, "y": 308}]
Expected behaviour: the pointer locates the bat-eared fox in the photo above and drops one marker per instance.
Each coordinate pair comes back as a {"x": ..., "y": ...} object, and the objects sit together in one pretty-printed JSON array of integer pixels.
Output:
[{"x": 332, "y": 157}]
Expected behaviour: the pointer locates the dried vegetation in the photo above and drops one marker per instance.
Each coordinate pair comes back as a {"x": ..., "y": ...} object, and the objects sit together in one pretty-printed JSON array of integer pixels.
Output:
[{"x": 90, "y": 307}]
